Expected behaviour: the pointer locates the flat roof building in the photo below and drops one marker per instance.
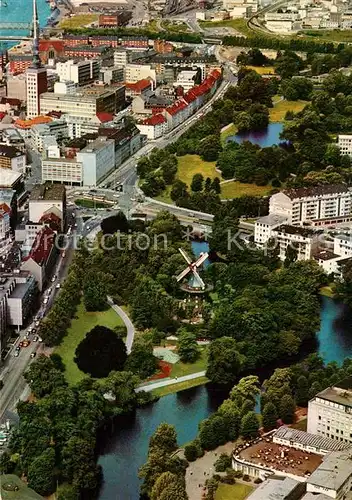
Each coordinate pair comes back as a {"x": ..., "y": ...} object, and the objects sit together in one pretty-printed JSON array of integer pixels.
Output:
[{"x": 333, "y": 477}]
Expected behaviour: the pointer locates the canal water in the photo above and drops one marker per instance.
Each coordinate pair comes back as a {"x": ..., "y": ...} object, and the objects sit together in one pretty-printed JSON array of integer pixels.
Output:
[
  {"x": 124, "y": 450},
  {"x": 22, "y": 11},
  {"x": 264, "y": 138}
]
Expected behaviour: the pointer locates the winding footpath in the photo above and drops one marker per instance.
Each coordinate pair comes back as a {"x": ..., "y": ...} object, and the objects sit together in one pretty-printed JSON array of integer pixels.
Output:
[{"x": 128, "y": 323}]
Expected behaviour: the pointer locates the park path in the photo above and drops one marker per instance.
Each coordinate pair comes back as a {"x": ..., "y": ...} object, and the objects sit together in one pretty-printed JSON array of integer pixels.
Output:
[
  {"x": 128, "y": 323},
  {"x": 150, "y": 386}
]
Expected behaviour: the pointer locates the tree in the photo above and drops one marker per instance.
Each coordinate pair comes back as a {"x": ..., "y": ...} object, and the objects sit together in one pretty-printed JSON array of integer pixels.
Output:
[
  {"x": 187, "y": 346},
  {"x": 115, "y": 223},
  {"x": 301, "y": 394},
  {"x": 121, "y": 385},
  {"x": 246, "y": 389},
  {"x": 43, "y": 377},
  {"x": 291, "y": 254},
  {"x": 100, "y": 352},
  {"x": 164, "y": 437},
  {"x": 216, "y": 185},
  {"x": 269, "y": 416},
  {"x": 210, "y": 148},
  {"x": 314, "y": 389},
  {"x": 142, "y": 361},
  {"x": 223, "y": 462},
  {"x": 208, "y": 185},
  {"x": 250, "y": 425},
  {"x": 41, "y": 473},
  {"x": 197, "y": 183},
  {"x": 168, "y": 486},
  {"x": 213, "y": 432},
  {"x": 178, "y": 190},
  {"x": 78, "y": 463},
  {"x": 224, "y": 361},
  {"x": 193, "y": 450},
  {"x": 67, "y": 492},
  {"x": 230, "y": 413},
  {"x": 287, "y": 409},
  {"x": 94, "y": 291}
]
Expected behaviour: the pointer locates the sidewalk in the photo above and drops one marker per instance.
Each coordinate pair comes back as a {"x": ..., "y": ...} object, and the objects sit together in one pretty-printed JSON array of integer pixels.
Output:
[{"x": 150, "y": 386}]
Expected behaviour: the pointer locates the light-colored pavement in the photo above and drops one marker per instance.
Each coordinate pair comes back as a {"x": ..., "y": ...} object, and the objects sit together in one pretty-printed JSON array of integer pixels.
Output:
[
  {"x": 169, "y": 381},
  {"x": 128, "y": 324}
]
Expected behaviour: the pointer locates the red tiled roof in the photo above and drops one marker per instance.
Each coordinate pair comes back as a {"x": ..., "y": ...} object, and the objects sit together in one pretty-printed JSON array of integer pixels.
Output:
[
  {"x": 42, "y": 246},
  {"x": 105, "y": 117},
  {"x": 45, "y": 45},
  {"x": 176, "y": 108},
  {"x": 2, "y": 115},
  {"x": 10, "y": 100},
  {"x": 139, "y": 86},
  {"x": 154, "y": 120},
  {"x": 5, "y": 208},
  {"x": 52, "y": 219}
]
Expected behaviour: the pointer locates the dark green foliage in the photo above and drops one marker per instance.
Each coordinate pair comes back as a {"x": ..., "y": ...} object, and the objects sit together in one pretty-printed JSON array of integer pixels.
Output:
[
  {"x": 141, "y": 361},
  {"x": 41, "y": 473},
  {"x": 67, "y": 492},
  {"x": 287, "y": 409},
  {"x": 197, "y": 182},
  {"x": 213, "y": 432},
  {"x": 224, "y": 361},
  {"x": 269, "y": 416},
  {"x": 44, "y": 377},
  {"x": 223, "y": 462},
  {"x": 301, "y": 393},
  {"x": 100, "y": 352},
  {"x": 249, "y": 425},
  {"x": 296, "y": 88},
  {"x": 115, "y": 223},
  {"x": 187, "y": 346},
  {"x": 193, "y": 451},
  {"x": 94, "y": 291}
]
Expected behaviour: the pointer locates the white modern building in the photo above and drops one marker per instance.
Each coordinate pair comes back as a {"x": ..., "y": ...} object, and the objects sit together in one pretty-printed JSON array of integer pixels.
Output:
[
  {"x": 264, "y": 227},
  {"x": 65, "y": 170},
  {"x": 65, "y": 87},
  {"x": 344, "y": 142},
  {"x": 330, "y": 412},
  {"x": 56, "y": 128},
  {"x": 4, "y": 224},
  {"x": 47, "y": 198},
  {"x": 153, "y": 127},
  {"x": 305, "y": 240},
  {"x": 313, "y": 203},
  {"x": 136, "y": 72},
  {"x": 185, "y": 79},
  {"x": 343, "y": 245},
  {"x": 79, "y": 72},
  {"x": 333, "y": 478},
  {"x": 12, "y": 158},
  {"x": 78, "y": 105},
  {"x": 98, "y": 160}
]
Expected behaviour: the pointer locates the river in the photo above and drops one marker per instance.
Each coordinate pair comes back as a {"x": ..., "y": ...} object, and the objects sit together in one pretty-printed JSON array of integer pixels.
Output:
[
  {"x": 124, "y": 450},
  {"x": 22, "y": 11},
  {"x": 264, "y": 138}
]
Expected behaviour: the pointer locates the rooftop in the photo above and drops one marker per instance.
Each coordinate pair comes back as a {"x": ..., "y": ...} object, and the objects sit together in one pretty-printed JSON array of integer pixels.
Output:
[
  {"x": 275, "y": 489},
  {"x": 325, "y": 255},
  {"x": 47, "y": 192},
  {"x": 21, "y": 290},
  {"x": 272, "y": 219},
  {"x": 315, "y": 191},
  {"x": 300, "y": 231},
  {"x": 10, "y": 151},
  {"x": 334, "y": 471},
  {"x": 8, "y": 177},
  {"x": 96, "y": 145},
  {"x": 313, "y": 440},
  {"x": 340, "y": 393},
  {"x": 268, "y": 454},
  {"x": 155, "y": 120},
  {"x": 42, "y": 246}
]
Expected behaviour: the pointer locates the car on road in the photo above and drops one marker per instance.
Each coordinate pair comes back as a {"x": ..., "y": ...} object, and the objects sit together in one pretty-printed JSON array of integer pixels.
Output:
[
  {"x": 37, "y": 323},
  {"x": 16, "y": 354},
  {"x": 17, "y": 348},
  {"x": 33, "y": 354},
  {"x": 36, "y": 338},
  {"x": 58, "y": 286},
  {"x": 46, "y": 300},
  {"x": 25, "y": 343},
  {"x": 53, "y": 278}
]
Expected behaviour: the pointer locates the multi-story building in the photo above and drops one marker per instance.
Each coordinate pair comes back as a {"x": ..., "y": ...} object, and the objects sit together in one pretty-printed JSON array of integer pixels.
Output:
[
  {"x": 136, "y": 72},
  {"x": 163, "y": 47},
  {"x": 135, "y": 42},
  {"x": 41, "y": 259},
  {"x": 64, "y": 170},
  {"x": 138, "y": 88},
  {"x": 5, "y": 227},
  {"x": 12, "y": 137},
  {"x": 186, "y": 79},
  {"x": 264, "y": 227},
  {"x": 104, "y": 40},
  {"x": 74, "y": 40},
  {"x": 65, "y": 87},
  {"x": 333, "y": 478},
  {"x": 55, "y": 128},
  {"x": 13, "y": 158},
  {"x": 114, "y": 74},
  {"x": 16, "y": 86},
  {"x": 98, "y": 160},
  {"x": 79, "y": 72},
  {"x": 330, "y": 412},
  {"x": 127, "y": 142},
  {"x": 305, "y": 240},
  {"x": 153, "y": 127},
  {"x": 47, "y": 198},
  {"x": 313, "y": 203},
  {"x": 344, "y": 142},
  {"x": 114, "y": 20},
  {"x": 102, "y": 52}
]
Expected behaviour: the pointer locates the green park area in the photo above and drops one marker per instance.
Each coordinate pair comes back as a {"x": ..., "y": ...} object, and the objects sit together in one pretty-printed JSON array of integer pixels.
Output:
[
  {"x": 82, "y": 323},
  {"x": 181, "y": 369},
  {"x": 239, "y": 25},
  {"x": 281, "y": 106},
  {"x": 174, "y": 26},
  {"x": 12, "y": 488},
  {"x": 262, "y": 70},
  {"x": 82, "y": 202},
  {"x": 238, "y": 491},
  {"x": 78, "y": 21},
  {"x": 180, "y": 386}
]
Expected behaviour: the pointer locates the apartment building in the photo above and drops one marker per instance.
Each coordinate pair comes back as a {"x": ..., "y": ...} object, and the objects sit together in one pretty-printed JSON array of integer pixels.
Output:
[
  {"x": 56, "y": 128},
  {"x": 115, "y": 19},
  {"x": 344, "y": 142},
  {"x": 113, "y": 74},
  {"x": 12, "y": 137},
  {"x": 79, "y": 72},
  {"x": 333, "y": 478},
  {"x": 330, "y": 412},
  {"x": 313, "y": 203},
  {"x": 186, "y": 79},
  {"x": 305, "y": 240},
  {"x": 5, "y": 212},
  {"x": 64, "y": 170},
  {"x": 98, "y": 160},
  {"x": 153, "y": 127},
  {"x": 264, "y": 227},
  {"x": 136, "y": 72},
  {"x": 13, "y": 158},
  {"x": 47, "y": 198}
]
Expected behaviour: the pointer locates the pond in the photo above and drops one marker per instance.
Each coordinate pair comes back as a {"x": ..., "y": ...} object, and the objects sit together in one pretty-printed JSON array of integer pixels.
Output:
[
  {"x": 124, "y": 450},
  {"x": 264, "y": 138}
]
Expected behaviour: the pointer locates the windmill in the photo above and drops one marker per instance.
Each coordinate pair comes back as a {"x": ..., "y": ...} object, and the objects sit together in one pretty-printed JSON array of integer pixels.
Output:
[{"x": 196, "y": 283}]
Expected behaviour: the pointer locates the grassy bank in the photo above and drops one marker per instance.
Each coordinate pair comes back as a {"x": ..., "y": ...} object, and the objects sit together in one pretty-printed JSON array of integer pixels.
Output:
[
  {"x": 82, "y": 323},
  {"x": 278, "y": 112},
  {"x": 263, "y": 70},
  {"x": 238, "y": 491},
  {"x": 181, "y": 386},
  {"x": 239, "y": 25},
  {"x": 228, "y": 132},
  {"x": 181, "y": 369},
  {"x": 189, "y": 165},
  {"x": 235, "y": 189},
  {"x": 78, "y": 21}
]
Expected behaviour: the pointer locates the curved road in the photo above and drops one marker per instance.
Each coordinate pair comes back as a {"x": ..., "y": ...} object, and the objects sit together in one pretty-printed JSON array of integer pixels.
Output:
[{"x": 128, "y": 324}]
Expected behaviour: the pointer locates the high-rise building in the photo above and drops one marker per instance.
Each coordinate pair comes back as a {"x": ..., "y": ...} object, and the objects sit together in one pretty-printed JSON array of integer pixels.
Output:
[{"x": 36, "y": 74}]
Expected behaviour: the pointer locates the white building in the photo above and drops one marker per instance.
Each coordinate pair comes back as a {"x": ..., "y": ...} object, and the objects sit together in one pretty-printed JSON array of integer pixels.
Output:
[
  {"x": 12, "y": 158},
  {"x": 305, "y": 240},
  {"x": 4, "y": 224},
  {"x": 264, "y": 227},
  {"x": 56, "y": 128},
  {"x": 79, "y": 72},
  {"x": 313, "y": 203},
  {"x": 64, "y": 170},
  {"x": 47, "y": 198},
  {"x": 185, "y": 79},
  {"x": 343, "y": 245},
  {"x": 333, "y": 478},
  {"x": 98, "y": 160},
  {"x": 78, "y": 105},
  {"x": 330, "y": 412},
  {"x": 136, "y": 72},
  {"x": 344, "y": 142},
  {"x": 153, "y": 127},
  {"x": 312, "y": 443},
  {"x": 65, "y": 87}
]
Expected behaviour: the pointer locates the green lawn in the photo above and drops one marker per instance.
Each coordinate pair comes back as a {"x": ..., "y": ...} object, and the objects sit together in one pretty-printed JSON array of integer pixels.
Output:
[
  {"x": 237, "y": 24},
  {"x": 91, "y": 203},
  {"x": 180, "y": 369},
  {"x": 23, "y": 492},
  {"x": 236, "y": 491},
  {"x": 263, "y": 70},
  {"x": 165, "y": 196},
  {"x": 327, "y": 35},
  {"x": 174, "y": 26},
  {"x": 301, "y": 425},
  {"x": 278, "y": 112},
  {"x": 235, "y": 189},
  {"x": 80, "y": 326},
  {"x": 78, "y": 21},
  {"x": 188, "y": 165},
  {"x": 230, "y": 130},
  {"x": 180, "y": 386}
]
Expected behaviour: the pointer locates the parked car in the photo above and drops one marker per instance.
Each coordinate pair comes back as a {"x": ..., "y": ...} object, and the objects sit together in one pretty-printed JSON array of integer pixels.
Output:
[
  {"x": 16, "y": 354},
  {"x": 33, "y": 354},
  {"x": 36, "y": 338}
]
